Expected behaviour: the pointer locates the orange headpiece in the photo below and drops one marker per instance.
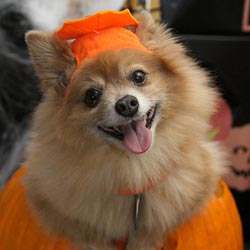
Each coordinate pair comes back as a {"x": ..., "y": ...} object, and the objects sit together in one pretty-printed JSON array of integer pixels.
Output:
[{"x": 100, "y": 32}]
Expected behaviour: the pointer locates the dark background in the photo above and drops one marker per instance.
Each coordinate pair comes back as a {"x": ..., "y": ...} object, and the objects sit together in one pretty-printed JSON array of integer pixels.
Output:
[{"x": 212, "y": 32}]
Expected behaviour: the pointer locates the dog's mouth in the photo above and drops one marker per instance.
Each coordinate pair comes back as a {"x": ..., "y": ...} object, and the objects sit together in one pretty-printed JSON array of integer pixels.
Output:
[
  {"x": 136, "y": 135},
  {"x": 243, "y": 173}
]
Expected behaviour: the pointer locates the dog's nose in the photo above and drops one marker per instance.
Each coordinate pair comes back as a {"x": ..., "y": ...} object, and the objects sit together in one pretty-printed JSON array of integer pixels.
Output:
[{"x": 127, "y": 106}]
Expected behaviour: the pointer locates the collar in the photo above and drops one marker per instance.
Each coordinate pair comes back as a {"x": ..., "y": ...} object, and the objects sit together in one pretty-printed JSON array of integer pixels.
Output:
[{"x": 150, "y": 185}]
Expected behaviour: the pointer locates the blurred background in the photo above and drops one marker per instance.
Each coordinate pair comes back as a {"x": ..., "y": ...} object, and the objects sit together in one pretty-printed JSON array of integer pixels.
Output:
[{"x": 216, "y": 34}]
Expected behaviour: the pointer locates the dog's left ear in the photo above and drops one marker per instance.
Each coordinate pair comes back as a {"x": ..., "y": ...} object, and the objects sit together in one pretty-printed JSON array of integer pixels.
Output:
[
  {"x": 52, "y": 58},
  {"x": 158, "y": 38}
]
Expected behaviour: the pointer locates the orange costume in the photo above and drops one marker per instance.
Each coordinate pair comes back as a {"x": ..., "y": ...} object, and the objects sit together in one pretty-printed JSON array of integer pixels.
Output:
[{"x": 217, "y": 227}]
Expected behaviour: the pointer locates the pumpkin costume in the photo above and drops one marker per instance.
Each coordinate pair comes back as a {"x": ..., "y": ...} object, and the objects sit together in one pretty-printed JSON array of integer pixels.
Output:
[{"x": 217, "y": 227}]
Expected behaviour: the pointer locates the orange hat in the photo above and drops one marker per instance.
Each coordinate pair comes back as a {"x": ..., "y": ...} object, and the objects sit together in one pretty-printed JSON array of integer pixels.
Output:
[{"x": 100, "y": 32}]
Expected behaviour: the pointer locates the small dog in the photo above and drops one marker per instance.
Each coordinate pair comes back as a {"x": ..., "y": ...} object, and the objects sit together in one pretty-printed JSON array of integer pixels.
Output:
[{"x": 122, "y": 152}]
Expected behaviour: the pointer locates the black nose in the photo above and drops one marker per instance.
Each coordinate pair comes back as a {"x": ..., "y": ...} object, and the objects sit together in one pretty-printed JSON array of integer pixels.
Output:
[{"x": 127, "y": 106}]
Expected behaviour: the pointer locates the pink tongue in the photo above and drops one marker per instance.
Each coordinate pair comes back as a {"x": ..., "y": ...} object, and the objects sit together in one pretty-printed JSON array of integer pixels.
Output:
[{"x": 138, "y": 139}]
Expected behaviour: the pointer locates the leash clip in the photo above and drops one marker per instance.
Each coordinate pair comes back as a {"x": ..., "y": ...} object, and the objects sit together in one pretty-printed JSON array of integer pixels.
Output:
[{"x": 137, "y": 210}]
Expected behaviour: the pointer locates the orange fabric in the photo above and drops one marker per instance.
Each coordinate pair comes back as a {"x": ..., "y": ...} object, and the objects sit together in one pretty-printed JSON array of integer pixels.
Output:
[
  {"x": 109, "y": 39},
  {"x": 100, "y": 32},
  {"x": 217, "y": 227},
  {"x": 73, "y": 29}
]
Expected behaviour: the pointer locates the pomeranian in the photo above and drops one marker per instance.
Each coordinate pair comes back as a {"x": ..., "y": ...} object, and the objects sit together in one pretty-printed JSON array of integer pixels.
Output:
[{"x": 120, "y": 146}]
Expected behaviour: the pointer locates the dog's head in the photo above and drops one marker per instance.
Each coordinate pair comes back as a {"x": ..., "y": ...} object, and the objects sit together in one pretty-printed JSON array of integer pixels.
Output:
[
  {"x": 125, "y": 97},
  {"x": 121, "y": 94}
]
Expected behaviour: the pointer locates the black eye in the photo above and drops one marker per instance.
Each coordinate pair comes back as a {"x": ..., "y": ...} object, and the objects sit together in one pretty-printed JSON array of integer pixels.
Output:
[
  {"x": 139, "y": 77},
  {"x": 92, "y": 97}
]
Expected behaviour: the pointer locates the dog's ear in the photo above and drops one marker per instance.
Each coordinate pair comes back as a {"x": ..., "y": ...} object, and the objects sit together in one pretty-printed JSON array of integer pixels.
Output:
[
  {"x": 52, "y": 58},
  {"x": 147, "y": 27},
  {"x": 158, "y": 38}
]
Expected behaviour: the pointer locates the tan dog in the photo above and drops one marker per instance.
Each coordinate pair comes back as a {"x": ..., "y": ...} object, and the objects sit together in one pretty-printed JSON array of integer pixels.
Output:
[{"x": 132, "y": 120}]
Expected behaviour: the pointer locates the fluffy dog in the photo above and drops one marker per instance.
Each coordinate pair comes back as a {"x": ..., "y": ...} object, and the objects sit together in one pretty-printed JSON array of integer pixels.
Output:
[{"x": 132, "y": 120}]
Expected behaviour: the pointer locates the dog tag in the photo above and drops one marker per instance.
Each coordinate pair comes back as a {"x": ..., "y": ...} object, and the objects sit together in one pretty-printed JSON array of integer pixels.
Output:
[{"x": 137, "y": 210}]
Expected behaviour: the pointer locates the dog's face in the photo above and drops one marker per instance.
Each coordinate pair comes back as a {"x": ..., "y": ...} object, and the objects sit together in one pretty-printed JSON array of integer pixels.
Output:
[
  {"x": 118, "y": 97},
  {"x": 124, "y": 97}
]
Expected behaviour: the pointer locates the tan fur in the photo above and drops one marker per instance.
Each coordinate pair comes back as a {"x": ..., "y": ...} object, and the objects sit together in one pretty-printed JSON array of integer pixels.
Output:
[{"x": 73, "y": 173}]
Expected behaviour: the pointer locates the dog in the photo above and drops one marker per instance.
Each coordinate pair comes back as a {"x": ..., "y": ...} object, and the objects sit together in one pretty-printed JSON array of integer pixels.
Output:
[{"x": 120, "y": 146}]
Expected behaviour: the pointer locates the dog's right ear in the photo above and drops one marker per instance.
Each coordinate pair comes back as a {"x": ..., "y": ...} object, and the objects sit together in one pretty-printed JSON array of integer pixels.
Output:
[{"x": 52, "y": 58}]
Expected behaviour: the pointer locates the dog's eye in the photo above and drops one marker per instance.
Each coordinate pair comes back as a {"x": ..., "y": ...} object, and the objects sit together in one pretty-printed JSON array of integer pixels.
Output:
[
  {"x": 139, "y": 77},
  {"x": 92, "y": 97}
]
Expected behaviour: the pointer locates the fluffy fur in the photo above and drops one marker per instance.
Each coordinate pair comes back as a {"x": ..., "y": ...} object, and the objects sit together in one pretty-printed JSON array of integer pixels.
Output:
[{"x": 74, "y": 169}]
